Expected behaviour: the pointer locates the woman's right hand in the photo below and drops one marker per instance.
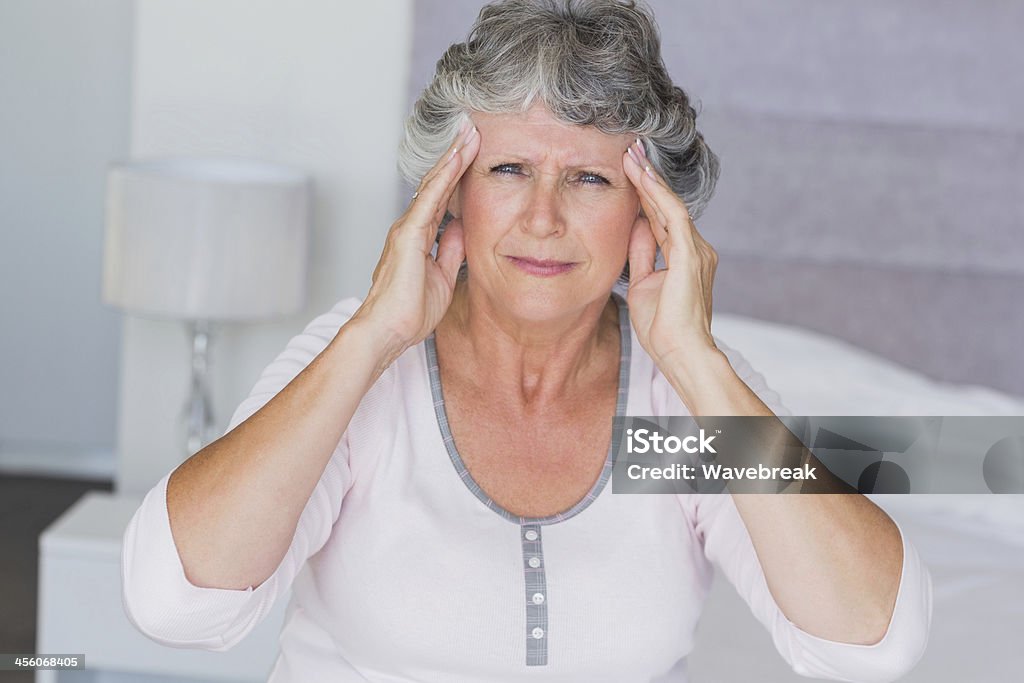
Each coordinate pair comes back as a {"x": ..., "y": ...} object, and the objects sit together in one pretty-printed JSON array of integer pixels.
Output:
[{"x": 411, "y": 290}]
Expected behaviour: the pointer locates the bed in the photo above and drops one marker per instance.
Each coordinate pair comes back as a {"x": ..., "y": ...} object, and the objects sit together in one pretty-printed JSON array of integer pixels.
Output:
[{"x": 973, "y": 544}]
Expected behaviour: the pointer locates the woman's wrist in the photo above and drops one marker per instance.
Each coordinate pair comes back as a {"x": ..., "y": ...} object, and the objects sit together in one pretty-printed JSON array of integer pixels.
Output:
[
  {"x": 707, "y": 384},
  {"x": 378, "y": 346},
  {"x": 689, "y": 353},
  {"x": 690, "y": 368}
]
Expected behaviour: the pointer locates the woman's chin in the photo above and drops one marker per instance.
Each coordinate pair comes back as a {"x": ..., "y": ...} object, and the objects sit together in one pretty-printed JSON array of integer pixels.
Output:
[
  {"x": 544, "y": 304},
  {"x": 540, "y": 299}
]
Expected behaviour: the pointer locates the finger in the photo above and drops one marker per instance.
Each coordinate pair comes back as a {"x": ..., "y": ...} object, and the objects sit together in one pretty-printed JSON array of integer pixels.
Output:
[
  {"x": 645, "y": 163},
  {"x": 643, "y": 250},
  {"x": 430, "y": 206},
  {"x": 661, "y": 189},
  {"x": 678, "y": 222},
  {"x": 451, "y": 250},
  {"x": 635, "y": 172},
  {"x": 464, "y": 159},
  {"x": 658, "y": 221},
  {"x": 635, "y": 169},
  {"x": 447, "y": 169},
  {"x": 446, "y": 156}
]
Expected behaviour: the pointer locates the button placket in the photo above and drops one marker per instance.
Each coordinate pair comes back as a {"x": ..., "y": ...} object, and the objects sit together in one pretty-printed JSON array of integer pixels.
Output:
[{"x": 536, "y": 596}]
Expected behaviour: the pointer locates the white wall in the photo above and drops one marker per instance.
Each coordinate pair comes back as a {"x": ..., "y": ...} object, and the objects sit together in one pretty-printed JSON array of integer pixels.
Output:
[
  {"x": 317, "y": 84},
  {"x": 64, "y": 111}
]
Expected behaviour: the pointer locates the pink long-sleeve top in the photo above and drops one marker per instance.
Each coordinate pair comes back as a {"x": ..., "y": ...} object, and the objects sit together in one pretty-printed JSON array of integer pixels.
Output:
[{"x": 403, "y": 569}]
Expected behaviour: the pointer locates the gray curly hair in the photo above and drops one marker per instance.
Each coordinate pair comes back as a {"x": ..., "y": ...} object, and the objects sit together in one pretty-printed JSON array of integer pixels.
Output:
[{"x": 591, "y": 62}]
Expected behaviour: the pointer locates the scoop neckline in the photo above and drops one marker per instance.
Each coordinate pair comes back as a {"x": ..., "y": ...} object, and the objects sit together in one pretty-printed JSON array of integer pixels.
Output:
[{"x": 441, "y": 415}]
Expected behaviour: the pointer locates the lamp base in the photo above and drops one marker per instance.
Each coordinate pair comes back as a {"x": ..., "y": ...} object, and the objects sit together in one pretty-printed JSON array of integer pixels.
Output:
[{"x": 198, "y": 413}]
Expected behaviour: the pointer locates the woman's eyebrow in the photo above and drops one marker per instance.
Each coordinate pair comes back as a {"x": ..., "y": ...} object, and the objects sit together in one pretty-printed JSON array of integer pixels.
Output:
[
  {"x": 506, "y": 157},
  {"x": 499, "y": 158}
]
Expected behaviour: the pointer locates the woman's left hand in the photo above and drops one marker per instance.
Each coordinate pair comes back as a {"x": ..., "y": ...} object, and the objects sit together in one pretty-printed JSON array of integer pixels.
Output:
[{"x": 670, "y": 308}]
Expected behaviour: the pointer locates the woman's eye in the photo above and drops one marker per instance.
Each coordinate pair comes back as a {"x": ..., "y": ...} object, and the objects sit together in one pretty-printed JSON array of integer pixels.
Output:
[
  {"x": 506, "y": 169},
  {"x": 593, "y": 179},
  {"x": 584, "y": 178}
]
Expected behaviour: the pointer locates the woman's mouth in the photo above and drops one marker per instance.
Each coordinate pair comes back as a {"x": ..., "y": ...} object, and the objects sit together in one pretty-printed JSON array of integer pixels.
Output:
[{"x": 543, "y": 268}]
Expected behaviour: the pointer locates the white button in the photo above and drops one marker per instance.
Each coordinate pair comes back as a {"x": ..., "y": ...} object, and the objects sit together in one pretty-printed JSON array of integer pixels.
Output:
[
  {"x": 537, "y": 633},
  {"x": 534, "y": 562},
  {"x": 531, "y": 535},
  {"x": 538, "y": 598}
]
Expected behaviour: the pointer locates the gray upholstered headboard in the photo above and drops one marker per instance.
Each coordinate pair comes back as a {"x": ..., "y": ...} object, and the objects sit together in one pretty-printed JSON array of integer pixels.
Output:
[{"x": 872, "y": 154}]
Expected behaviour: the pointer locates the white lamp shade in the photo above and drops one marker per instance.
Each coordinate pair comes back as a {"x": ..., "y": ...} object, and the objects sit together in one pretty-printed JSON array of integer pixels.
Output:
[{"x": 206, "y": 239}]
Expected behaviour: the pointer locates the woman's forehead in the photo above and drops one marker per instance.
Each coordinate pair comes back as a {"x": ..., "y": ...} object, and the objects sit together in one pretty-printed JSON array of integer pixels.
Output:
[{"x": 535, "y": 134}]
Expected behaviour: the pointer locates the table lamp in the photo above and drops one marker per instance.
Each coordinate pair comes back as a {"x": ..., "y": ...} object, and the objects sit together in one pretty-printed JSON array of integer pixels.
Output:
[{"x": 204, "y": 240}]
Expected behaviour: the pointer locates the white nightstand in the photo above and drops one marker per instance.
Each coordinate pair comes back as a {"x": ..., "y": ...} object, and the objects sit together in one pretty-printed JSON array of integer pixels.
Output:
[{"x": 80, "y": 609}]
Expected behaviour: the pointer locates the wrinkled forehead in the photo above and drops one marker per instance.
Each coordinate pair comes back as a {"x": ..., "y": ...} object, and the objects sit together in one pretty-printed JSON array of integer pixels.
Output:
[{"x": 536, "y": 136}]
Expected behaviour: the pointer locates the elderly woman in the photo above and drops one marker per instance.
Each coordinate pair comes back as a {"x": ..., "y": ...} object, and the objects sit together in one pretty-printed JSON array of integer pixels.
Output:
[{"x": 436, "y": 457}]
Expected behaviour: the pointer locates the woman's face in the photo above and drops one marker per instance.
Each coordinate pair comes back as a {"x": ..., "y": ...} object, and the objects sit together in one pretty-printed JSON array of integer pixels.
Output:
[{"x": 543, "y": 190}]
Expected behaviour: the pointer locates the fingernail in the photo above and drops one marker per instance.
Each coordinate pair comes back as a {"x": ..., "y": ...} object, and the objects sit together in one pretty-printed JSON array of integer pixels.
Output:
[
  {"x": 640, "y": 148},
  {"x": 632, "y": 155},
  {"x": 464, "y": 128},
  {"x": 647, "y": 168}
]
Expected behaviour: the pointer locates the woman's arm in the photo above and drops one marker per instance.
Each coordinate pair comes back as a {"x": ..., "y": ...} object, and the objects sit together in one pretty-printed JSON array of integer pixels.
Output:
[
  {"x": 831, "y": 561},
  {"x": 234, "y": 506},
  {"x": 158, "y": 597}
]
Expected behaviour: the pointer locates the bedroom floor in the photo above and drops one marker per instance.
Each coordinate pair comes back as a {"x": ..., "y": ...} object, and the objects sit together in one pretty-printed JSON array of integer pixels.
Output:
[{"x": 27, "y": 506}]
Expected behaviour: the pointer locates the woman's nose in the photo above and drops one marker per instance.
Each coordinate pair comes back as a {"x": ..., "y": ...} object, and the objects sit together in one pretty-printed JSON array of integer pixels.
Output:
[{"x": 545, "y": 212}]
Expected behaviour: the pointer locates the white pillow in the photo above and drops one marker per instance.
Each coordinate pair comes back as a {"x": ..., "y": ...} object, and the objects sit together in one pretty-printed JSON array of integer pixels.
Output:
[{"x": 816, "y": 374}]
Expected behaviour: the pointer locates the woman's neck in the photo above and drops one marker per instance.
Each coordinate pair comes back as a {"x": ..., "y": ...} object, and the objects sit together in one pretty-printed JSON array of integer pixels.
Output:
[{"x": 530, "y": 365}]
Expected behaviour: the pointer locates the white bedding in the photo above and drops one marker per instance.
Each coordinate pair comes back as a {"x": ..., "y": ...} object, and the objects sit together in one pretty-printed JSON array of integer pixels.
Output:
[
  {"x": 978, "y": 617},
  {"x": 820, "y": 375},
  {"x": 973, "y": 544}
]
